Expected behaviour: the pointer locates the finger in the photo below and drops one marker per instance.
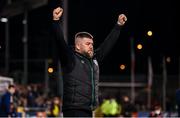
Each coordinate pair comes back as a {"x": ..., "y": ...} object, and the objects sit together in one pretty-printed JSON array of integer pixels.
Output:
[
  {"x": 58, "y": 9},
  {"x": 61, "y": 10},
  {"x": 59, "y": 15},
  {"x": 124, "y": 19}
]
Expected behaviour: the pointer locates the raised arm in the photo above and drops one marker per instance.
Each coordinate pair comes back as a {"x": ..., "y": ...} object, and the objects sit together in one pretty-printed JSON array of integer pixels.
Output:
[
  {"x": 64, "y": 52},
  {"x": 111, "y": 39}
]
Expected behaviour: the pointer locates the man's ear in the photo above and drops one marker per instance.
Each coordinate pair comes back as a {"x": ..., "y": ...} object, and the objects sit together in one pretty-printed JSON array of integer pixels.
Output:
[{"x": 77, "y": 46}]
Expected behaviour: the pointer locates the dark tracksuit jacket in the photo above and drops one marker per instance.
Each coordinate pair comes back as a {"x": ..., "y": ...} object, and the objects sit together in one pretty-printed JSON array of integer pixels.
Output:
[
  {"x": 81, "y": 74},
  {"x": 5, "y": 105}
]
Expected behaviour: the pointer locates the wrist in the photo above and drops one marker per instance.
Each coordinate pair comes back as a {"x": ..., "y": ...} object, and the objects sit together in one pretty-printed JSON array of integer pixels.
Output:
[
  {"x": 120, "y": 24},
  {"x": 55, "y": 18}
]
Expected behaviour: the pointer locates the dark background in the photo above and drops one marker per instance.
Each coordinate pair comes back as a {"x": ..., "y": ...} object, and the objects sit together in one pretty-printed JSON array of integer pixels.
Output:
[{"x": 98, "y": 18}]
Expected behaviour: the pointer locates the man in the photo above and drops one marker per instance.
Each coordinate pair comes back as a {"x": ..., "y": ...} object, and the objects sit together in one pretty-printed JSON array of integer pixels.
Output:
[
  {"x": 80, "y": 67},
  {"x": 6, "y": 105}
]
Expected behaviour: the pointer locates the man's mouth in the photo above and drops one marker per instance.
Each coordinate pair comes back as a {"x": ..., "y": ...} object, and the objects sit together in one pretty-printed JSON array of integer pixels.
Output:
[{"x": 90, "y": 51}]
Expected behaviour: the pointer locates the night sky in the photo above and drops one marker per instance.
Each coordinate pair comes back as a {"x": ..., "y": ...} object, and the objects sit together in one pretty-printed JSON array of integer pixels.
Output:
[{"x": 98, "y": 18}]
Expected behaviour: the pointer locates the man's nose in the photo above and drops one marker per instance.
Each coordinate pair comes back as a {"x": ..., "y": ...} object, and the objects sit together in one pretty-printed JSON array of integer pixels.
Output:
[{"x": 91, "y": 46}]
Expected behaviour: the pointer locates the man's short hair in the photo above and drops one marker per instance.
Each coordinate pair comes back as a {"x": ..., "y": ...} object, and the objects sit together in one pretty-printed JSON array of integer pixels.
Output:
[
  {"x": 83, "y": 34},
  {"x": 11, "y": 86}
]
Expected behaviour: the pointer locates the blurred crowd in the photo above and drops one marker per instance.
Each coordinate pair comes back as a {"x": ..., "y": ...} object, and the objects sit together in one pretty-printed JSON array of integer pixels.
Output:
[{"x": 30, "y": 100}]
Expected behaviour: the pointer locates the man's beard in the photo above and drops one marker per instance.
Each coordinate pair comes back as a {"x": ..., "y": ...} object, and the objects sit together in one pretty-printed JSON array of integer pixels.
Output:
[{"x": 89, "y": 54}]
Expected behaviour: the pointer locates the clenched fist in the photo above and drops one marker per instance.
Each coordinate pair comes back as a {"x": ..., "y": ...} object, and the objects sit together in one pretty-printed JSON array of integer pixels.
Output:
[
  {"x": 121, "y": 19},
  {"x": 57, "y": 13}
]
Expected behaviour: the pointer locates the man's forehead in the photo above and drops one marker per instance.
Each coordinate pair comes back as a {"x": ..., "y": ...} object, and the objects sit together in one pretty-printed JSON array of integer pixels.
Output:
[{"x": 85, "y": 39}]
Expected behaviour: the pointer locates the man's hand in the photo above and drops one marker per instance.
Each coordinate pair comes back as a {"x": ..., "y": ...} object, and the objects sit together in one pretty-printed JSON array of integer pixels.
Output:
[
  {"x": 121, "y": 19},
  {"x": 57, "y": 13}
]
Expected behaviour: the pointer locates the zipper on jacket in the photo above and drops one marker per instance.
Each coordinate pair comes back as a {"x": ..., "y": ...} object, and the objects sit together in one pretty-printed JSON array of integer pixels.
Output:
[{"x": 92, "y": 81}]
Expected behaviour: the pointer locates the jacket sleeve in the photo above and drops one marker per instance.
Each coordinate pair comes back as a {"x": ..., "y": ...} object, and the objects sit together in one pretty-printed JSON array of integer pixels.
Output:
[
  {"x": 108, "y": 43},
  {"x": 65, "y": 54}
]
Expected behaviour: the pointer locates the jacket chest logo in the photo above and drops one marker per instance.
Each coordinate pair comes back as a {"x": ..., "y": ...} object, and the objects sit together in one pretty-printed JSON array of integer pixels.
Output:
[{"x": 82, "y": 61}]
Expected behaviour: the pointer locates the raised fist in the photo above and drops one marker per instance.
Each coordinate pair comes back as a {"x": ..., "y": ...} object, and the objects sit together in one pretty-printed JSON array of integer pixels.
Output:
[
  {"x": 122, "y": 19},
  {"x": 57, "y": 13}
]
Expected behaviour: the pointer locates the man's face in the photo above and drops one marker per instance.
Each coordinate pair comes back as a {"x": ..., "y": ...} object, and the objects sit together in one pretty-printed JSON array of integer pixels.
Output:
[
  {"x": 12, "y": 90},
  {"x": 85, "y": 47}
]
